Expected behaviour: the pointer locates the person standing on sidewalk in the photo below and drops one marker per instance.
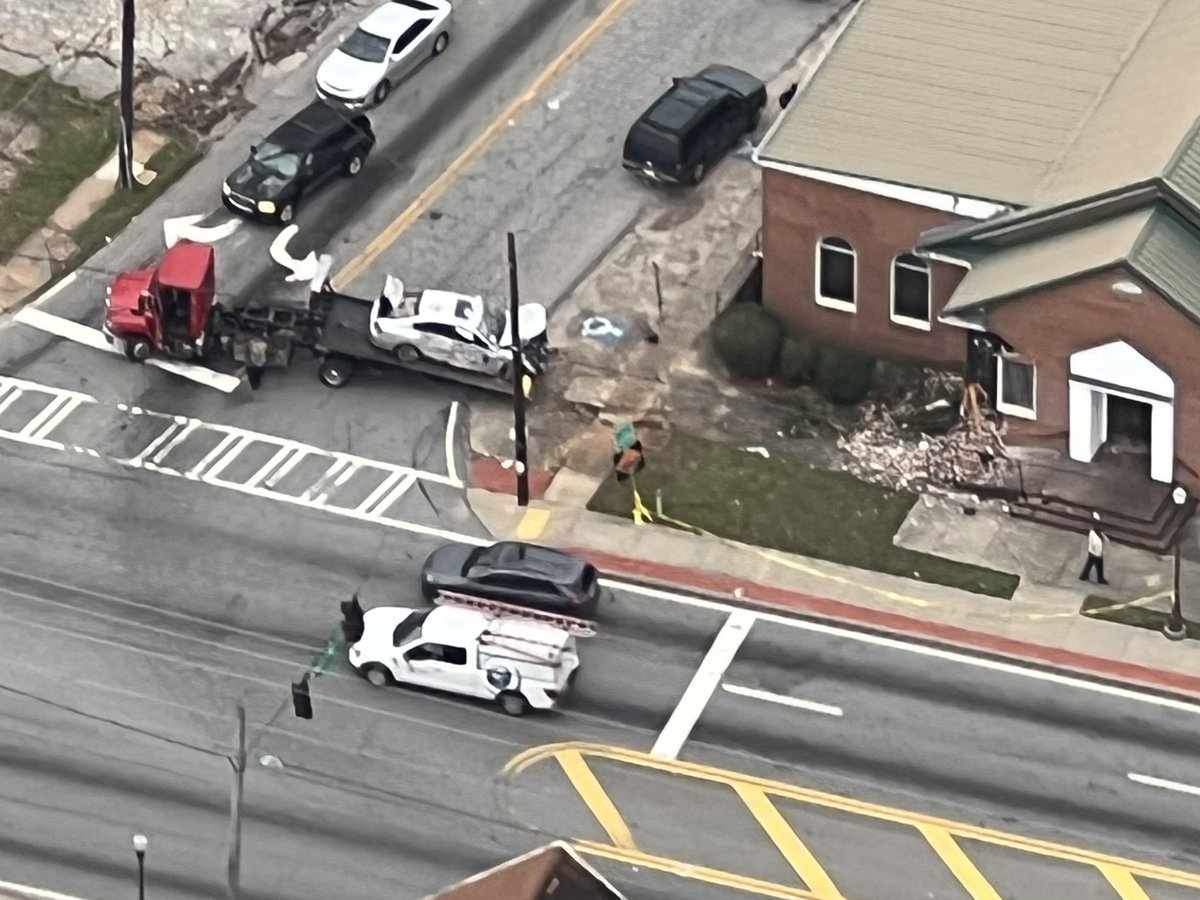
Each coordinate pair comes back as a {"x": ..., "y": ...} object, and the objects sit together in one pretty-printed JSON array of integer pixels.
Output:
[{"x": 1095, "y": 553}]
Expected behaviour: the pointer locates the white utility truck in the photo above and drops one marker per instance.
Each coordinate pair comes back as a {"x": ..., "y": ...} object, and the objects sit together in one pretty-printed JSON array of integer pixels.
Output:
[{"x": 517, "y": 657}]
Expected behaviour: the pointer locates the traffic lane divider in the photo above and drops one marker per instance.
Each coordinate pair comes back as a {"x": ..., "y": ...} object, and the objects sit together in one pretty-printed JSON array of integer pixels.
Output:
[
  {"x": 733, "y": 591},
  {"x": 956, "y": 844}
]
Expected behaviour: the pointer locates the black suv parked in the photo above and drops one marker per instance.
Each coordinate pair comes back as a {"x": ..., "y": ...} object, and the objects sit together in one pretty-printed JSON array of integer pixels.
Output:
[
  {"x": 299, "y": 156},
  {"x": 687, "y": 130}
]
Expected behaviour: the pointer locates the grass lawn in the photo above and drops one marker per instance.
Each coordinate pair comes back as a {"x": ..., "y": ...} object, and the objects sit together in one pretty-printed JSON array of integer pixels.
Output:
[
  {"x": 78, "y": 135},
  {"x": 778, "y": 504},
  {"x": 1096, "y": 607},
  {"x": 170, "y": 162}
]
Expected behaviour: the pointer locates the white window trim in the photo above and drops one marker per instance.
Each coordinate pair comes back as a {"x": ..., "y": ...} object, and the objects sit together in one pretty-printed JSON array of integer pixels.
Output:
[
  {"x": 1013, "y": 409},
  {"x": 833, "y": 302},
  {"x": 907, "y": 321}
]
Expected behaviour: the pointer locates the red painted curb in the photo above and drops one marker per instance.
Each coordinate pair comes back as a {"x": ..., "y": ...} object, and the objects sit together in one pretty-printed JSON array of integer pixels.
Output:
[{"x": 717, "y": 583}]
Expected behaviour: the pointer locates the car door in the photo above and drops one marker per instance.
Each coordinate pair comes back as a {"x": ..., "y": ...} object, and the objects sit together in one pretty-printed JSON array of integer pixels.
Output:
[
  {"x": 523, "y": 591},
  {"x": 436, "y": 341},
  {"x": 410, "y": 49},
  {"x": 443, "y": 667},
  {"x": 320, "y": 163},
  {"x": 472, "y": 352}
]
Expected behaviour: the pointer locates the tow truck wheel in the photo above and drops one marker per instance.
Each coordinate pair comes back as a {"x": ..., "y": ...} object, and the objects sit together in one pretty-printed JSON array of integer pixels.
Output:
[
  {"x": 334, "y": 373},
  {"x": 137, "y": 351},
  {"x": 378, "y": 676},
  {"x": 513, "y": 704},
  {"x": 407, "y": 353}
]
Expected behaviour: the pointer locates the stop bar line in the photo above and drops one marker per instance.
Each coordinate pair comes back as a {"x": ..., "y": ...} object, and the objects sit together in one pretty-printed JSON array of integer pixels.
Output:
[
  {"x": 687, "y": 713},
  {"x": 1177, "y": 786}
]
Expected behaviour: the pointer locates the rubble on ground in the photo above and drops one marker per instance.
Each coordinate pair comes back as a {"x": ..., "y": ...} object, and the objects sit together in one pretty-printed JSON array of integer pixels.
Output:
[{"x": 881, "y": 452}]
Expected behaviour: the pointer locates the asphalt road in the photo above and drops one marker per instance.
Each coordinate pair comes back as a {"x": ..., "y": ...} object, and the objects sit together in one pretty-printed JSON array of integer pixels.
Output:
[{"x": 137, "y": 643}]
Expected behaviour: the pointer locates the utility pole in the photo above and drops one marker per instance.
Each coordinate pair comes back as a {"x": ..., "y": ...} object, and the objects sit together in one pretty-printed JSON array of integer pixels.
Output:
[
  {"x": 235, "y": 805},
  {"x": 518, "y": 378},
  {"x": 125, "y": 148}
]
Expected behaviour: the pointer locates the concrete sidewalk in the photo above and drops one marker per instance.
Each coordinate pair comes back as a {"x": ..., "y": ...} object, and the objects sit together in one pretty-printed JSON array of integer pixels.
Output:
[{"x": 1041, "y": 623}]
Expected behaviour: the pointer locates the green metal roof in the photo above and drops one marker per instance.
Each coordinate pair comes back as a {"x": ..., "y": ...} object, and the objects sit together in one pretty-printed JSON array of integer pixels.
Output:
[
  {"x": 1021, "y": 102},
  {"x": 1153, "y": 241}
]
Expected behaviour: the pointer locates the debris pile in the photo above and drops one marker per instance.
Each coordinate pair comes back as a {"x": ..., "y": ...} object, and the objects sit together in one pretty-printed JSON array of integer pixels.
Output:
[{"x": 881, "y": 452}]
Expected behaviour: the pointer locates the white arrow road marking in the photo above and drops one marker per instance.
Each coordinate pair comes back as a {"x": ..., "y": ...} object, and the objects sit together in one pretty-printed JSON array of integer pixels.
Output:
[
  {"x": 185, "y": 228},
  {"x": 301, "y": 269},
  {"x": 97, "y": 340},
  {"x": 782, "y": 699},
  {"x": 1178, "y": 786}
]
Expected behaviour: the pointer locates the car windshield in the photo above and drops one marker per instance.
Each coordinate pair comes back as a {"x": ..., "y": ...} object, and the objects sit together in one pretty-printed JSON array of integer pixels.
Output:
[
  {"x": 365, "y": 46},
  {"x": 276, "y": 160},
  {"x": 493, "y": 320}
]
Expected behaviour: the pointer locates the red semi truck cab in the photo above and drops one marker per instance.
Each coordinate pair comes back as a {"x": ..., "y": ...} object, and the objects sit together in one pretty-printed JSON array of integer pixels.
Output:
[{"x": 168, "y": 309}]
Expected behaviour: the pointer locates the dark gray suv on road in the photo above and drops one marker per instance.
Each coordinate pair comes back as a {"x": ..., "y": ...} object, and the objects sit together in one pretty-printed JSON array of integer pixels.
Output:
[{"x": 312, "y": 147}]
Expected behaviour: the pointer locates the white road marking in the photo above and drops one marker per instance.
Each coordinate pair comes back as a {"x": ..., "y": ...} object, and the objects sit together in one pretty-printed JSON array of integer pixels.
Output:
[
  {"x": 395, "y": 494},
  {"x": 1177, "y": 786},
  {"x": 61, "y": 285},
  {"x": 194, "y": 471},
  {"x": 451, "y": 421},
  {"x": 213, "y": 473},
  {"x": 33, "y": 427},
  {"x": 301, "y": 269},
  {"x": 965, "y": 658},
  {"x": 174, "y": 426},
  {"x": 96, "y": 339},
  {"x": 287, "y": 467},
  {"x": 270, "y": 464},
  {"x": 319, "y": 485},
  {"x": 179, "y": 438},
  {"x": 11, "y": 395},
  {"x": 687, "y": 713},
  {"x": 782, "y": 699},
  {"x": 186, "y": 228},
  {"x": 34, "y": 893},
  {"x": 384, "y": 486}
]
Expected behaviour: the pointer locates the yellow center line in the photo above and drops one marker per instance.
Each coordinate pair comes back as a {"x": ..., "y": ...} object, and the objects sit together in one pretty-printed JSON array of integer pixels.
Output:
[
  {"x": 1123, "y": 882},
  {"x": 798, "y": 856},
  {"x": 695, "y": 873},
  {"x": 588, "y": 787},
  {"x": 956, "y": 861},
  {"x": 431, "y": 194}
]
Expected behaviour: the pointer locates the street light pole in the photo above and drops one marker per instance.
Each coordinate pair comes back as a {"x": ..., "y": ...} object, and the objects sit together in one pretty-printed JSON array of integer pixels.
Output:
[
  {"x": 521, "y": 437},
  {"x": 125, "y": 148},
  {"x": 235, "y": 805},
  {"x": 1175, "y": 629},
  {"x": 140, "y": 843}
]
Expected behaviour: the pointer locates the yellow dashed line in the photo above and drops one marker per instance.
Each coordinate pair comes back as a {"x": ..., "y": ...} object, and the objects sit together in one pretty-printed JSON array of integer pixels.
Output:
[
  {"x": 945, "y": 846},
  {"x": 588, "y": 786}
]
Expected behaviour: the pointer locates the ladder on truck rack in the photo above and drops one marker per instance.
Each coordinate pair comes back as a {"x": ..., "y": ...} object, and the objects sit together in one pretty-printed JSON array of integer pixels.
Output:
[{"x": 573, "y": 625}]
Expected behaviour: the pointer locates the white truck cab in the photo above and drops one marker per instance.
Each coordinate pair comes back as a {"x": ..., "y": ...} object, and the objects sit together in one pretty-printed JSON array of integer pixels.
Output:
[{"x": 465, "y": 645}]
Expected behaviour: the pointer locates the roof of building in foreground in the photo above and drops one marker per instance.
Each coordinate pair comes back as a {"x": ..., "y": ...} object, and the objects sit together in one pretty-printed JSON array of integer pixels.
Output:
[
  {"x": 1021, "y": 102},
  {"x": 553, "y": 872}
]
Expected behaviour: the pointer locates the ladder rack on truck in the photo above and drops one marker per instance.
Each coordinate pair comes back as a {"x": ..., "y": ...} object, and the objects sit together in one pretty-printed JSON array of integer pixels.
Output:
[{"x": 573, "y": 625}]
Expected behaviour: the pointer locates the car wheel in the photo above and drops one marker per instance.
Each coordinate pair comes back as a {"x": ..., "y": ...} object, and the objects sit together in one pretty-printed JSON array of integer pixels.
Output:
[
  {"x": 378, "y": 675},
  {"x": 137, "y": 350},
  {"x": 512, "y": 703},
  {"x": 440, "y": 44},
  {"x": 334, "y": 373},
  {"x": 287, "y": 213},
  {"x": 698, "y": 173},
  {"x": 407, "y": 353},
  {"x": 354, "y": 165},
  {"x": 381, "y": 91}
]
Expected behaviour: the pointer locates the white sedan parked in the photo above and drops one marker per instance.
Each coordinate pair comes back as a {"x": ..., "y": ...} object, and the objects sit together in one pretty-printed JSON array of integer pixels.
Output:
[
  {"x": 385, "y": 48},
  {"x": 458, "y": 330}
]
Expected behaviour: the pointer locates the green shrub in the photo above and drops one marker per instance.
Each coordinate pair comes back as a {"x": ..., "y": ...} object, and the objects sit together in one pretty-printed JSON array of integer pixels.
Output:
[
  {"x": 747, "y": 338},
  {"x": 797, "y": 360},
  {"x": 844, "y": 376}
]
